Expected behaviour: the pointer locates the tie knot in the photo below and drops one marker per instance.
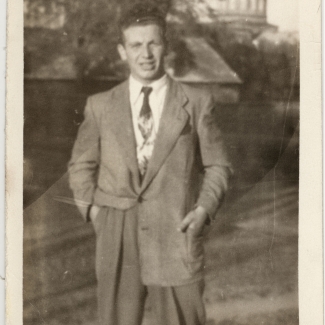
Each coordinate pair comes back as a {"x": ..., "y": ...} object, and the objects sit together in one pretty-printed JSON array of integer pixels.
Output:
[{"x": 146, "y": 91}]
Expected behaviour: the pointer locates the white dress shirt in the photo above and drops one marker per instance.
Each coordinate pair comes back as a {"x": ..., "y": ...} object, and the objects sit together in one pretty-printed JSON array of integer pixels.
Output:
[{"x": 156, "y": 102}]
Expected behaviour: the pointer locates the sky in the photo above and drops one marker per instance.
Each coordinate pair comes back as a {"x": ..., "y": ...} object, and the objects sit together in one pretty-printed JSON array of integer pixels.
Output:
[{"x": 284, "y": 14}]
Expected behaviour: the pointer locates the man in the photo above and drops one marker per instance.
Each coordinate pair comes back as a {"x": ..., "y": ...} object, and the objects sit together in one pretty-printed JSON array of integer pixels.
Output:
[{"x": 135, "y": 173}]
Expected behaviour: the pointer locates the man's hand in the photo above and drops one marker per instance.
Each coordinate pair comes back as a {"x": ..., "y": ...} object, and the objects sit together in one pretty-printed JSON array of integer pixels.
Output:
[
  {"x": 194, "y": 221},
  {"x": 93, "y": 213}
]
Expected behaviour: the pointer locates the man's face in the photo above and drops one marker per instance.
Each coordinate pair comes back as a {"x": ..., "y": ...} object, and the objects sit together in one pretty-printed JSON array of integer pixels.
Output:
[{"x": 144, "y": 50}]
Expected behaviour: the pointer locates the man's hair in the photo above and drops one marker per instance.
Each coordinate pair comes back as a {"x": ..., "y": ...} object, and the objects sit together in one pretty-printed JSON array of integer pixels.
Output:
[{"x": 142, "y": 14}]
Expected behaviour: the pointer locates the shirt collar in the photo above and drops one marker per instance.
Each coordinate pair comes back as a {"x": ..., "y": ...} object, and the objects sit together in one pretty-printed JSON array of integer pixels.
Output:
[{"x": 136, "y": 86}]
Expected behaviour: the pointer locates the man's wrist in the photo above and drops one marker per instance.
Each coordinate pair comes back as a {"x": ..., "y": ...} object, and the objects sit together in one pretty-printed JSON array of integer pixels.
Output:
[
  {"x": 201, "y": 211},
  {"x": 93, "y": 212}
]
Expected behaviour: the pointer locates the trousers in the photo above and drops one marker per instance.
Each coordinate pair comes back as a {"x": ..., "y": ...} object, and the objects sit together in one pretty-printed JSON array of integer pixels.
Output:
[{"x": 121, "y": 293}]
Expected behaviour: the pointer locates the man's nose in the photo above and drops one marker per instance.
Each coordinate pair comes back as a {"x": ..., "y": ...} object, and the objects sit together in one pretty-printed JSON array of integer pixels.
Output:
[{"x": 146, "y": 52}]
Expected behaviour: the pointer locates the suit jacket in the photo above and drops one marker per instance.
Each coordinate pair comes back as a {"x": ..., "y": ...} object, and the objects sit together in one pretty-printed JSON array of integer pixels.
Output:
[{"x": 104, "y": 171}]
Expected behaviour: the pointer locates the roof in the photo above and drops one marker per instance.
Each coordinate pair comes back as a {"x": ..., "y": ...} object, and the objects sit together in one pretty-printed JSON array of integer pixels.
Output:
[{"x": 210, "y": 67}]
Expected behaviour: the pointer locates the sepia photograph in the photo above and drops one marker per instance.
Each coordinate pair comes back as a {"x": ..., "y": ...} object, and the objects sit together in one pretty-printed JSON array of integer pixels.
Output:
[{"x": 161, "y": 162}]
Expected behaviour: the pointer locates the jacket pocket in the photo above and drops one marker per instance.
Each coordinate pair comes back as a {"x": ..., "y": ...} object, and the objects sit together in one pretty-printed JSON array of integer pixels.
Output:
[{"x": 195, "y": 252}]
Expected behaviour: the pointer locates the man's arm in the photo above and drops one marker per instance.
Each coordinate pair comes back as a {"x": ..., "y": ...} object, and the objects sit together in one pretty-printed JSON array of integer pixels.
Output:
[
  {"x": 217, "y": 171},
  {"x": 83, "y": 166}
]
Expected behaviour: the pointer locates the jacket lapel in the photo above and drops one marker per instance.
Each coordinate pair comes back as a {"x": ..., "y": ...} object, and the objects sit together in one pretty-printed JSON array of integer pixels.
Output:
[
  {"x": 172, "y": 122},
  {"x": 120, "y": 119}
]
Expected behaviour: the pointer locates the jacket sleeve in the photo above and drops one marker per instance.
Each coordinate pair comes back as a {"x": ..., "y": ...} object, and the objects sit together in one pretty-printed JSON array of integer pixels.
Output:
[
  {"x": 83, "y": 166},
  {"x": 217, "y": 168}
]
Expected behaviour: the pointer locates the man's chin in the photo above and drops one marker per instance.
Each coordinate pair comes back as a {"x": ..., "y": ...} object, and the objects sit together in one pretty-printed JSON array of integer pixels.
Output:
[
  {"x": 149, "y": 71},
  {"x": 150, "y": 75}
]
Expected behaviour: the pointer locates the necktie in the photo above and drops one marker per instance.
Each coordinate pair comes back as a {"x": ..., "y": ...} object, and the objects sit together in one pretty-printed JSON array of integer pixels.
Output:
[{"x": 145, "y": 124}]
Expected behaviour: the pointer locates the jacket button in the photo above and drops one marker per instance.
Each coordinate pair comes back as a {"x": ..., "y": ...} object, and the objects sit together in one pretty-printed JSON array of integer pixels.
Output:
[
  {"x": 140, "y": 199},
  {"x": 144, "y": 228}
]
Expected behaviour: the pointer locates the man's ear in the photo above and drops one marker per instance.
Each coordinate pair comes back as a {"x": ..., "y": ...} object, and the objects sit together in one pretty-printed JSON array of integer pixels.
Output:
[{"x": 122, "y": 52}]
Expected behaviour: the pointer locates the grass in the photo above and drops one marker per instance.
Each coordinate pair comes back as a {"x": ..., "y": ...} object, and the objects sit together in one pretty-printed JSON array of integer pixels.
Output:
[{"x": 251, "y": 251}]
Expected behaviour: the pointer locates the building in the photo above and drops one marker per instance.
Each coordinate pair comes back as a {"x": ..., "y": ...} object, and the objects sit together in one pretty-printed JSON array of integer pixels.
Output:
[
  {"x": 225, "y": 10},
  {"x": 246, "y": 10},
  {"x": 244, "y": 16}
]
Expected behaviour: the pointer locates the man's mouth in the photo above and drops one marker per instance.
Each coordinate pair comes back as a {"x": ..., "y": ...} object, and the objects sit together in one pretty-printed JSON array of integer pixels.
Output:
[{"x": 147, "y": 65}]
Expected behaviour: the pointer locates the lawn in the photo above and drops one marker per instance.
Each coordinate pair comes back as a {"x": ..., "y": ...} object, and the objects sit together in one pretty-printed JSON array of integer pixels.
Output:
[{"x": 251, "y": 249}]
